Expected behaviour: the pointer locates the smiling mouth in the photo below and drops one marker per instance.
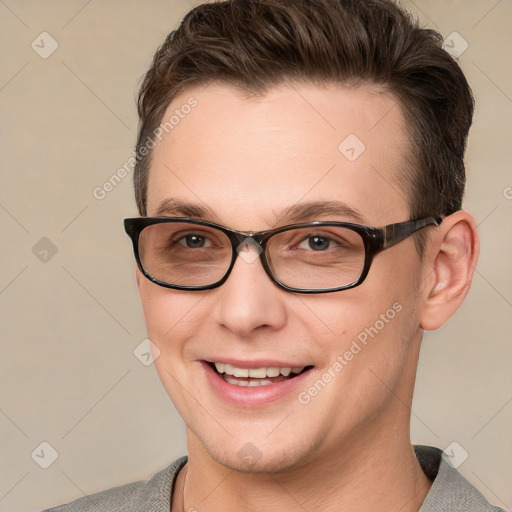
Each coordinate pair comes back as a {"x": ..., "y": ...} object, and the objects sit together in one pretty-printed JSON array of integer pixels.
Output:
[{"x": 252, "y": 377}]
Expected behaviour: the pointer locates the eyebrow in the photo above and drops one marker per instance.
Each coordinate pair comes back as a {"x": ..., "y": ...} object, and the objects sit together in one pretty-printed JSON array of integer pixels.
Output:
[
  {"x": 295, "y": 213},
  {"x": 176, "y": 207},
  {"x": 307, "y": 210}
]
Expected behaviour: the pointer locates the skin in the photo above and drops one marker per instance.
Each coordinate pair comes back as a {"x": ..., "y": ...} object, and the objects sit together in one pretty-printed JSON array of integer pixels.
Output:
[{"x": 246, "y": 160}]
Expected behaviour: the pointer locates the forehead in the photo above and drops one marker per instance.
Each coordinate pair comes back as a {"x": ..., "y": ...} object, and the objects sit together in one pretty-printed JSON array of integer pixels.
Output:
[{"x": 247, "y": 161}]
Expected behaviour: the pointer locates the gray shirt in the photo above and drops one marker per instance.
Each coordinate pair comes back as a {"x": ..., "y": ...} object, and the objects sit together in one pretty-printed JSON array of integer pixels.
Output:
[{"x": 450, "y": 491}]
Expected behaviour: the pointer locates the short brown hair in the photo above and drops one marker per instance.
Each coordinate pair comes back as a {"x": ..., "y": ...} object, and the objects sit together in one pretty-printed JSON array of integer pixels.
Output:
[{"x": 257, "y": 44}]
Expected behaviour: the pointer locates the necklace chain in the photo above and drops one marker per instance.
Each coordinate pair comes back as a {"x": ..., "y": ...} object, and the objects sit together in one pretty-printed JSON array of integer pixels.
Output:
[{"x": 183, "y": 490}]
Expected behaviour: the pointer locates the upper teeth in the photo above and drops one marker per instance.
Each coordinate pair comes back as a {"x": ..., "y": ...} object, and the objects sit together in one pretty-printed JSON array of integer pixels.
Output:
[{"x": 257, "y": 373}]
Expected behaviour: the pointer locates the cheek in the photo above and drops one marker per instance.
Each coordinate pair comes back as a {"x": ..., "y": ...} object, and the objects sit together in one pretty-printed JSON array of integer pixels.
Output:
[
  {"x": 168, "y": 314},
  {"x": 170, "y": 322},
  {"x": 348, "y": 313},
  {"x": 363, "y": 358},
  {"x": 374, "y": 324}
]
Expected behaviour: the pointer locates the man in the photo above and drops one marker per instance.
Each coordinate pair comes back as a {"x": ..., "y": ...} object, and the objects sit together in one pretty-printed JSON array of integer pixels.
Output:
[{"x": 299, "y": 179}]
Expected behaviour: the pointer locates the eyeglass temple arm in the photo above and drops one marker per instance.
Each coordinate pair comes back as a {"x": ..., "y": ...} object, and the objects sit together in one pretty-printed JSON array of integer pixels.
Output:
[{"x": 394, "y": 233}]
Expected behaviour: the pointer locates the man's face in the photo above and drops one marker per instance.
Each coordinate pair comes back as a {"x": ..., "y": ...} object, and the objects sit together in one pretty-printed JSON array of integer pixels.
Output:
[{"x": 246, "y": 161}]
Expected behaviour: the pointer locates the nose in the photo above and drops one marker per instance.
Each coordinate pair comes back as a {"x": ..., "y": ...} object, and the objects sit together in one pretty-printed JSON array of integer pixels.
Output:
[{"x": 249, "y": 300}]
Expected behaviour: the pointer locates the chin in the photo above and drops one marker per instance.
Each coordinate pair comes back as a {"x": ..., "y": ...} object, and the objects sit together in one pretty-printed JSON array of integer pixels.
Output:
[{"x": 262, "y": 457}]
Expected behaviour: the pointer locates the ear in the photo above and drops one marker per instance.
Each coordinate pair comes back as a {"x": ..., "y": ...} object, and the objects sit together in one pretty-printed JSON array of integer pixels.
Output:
[{"x": 452, "y": 256}]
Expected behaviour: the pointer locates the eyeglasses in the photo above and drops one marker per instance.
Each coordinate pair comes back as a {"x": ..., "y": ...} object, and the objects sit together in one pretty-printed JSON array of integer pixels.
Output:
[{"x": 314, "y": 257}]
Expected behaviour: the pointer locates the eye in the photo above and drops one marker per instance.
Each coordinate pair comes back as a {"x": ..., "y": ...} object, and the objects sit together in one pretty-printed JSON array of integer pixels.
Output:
[
  {"x": 193, "y": 241},
  {"x": 318, "y": 242}
]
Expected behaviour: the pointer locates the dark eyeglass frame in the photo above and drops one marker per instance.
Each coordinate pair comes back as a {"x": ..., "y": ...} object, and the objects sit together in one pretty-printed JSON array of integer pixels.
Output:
[{"x": 375, "y": 240}]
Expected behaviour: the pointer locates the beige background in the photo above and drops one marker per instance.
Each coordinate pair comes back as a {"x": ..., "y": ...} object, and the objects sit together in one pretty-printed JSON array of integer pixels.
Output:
[{"x": 70, "y": 324}]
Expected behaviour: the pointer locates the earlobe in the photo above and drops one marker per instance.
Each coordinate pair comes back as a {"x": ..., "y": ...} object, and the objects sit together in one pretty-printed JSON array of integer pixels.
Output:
[{"x": 453, "y": 256}]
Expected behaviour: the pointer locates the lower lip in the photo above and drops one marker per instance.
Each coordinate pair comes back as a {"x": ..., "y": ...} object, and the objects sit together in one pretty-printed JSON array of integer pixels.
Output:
[{"x": 252, "y": 396}]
